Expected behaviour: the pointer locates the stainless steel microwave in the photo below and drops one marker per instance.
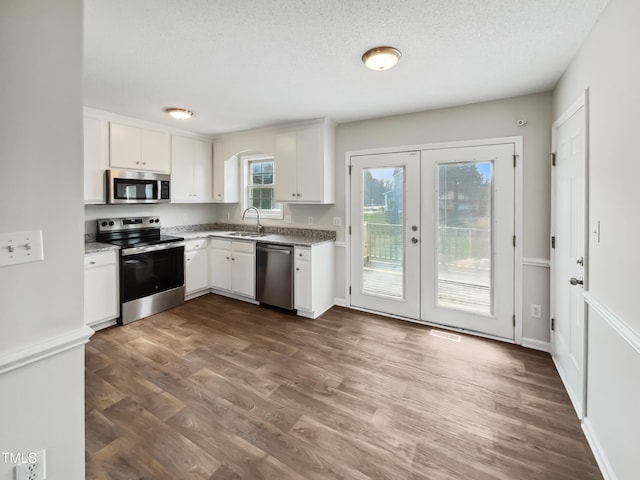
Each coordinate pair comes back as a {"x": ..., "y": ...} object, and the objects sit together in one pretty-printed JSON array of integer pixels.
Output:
[{"x": 132, "y": 186}]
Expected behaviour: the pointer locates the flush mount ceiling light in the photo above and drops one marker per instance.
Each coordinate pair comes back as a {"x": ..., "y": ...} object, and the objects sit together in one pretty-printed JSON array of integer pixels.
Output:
[
  {"x": 179, "y": 113},
  {"x": 381, "y": 58}
]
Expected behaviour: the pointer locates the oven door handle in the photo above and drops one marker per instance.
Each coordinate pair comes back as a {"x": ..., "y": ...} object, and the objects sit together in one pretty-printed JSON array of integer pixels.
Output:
[{"x": 151, "y": 248}]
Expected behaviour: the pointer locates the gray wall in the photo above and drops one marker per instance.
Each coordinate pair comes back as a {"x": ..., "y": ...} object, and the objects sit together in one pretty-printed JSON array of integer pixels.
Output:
[
  {"x": 607, "y": 64},
  {"x": 41, "y": 405}
]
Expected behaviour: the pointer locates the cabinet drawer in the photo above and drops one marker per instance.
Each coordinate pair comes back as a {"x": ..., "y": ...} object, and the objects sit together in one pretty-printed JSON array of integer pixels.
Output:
[
  {"x": 302, "y": 253},
  {"x": 249, "y": 247},
  {"x": 197, "y": 244},
  {"x": 222, "y": 244},
  {"x": 93, "y": 260}
]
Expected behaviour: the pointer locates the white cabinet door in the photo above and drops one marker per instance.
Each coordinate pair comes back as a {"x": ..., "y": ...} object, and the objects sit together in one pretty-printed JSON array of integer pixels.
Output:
[
  {"x": 304, "y": 164},
  {"x": 196, "y": 270},
  {"x": 225, "y": 176},
  {"x": 310, "y": 165},
  {"x": 139, "y": 149},
  {"x": 302, "y": 285},
  {"x": 155, "y": 151},
  {"x": 285, "y": 167},
  {"x": 96, "y": 159},
  {"x": 181, "y": 169},
  {"x": 243, "y": 273},
  {"x": 202, "y": 171},
  {"x": 101, "y": 300},
  {"x": 220, "y": 268},
  {"x": 124, "y": 146}
]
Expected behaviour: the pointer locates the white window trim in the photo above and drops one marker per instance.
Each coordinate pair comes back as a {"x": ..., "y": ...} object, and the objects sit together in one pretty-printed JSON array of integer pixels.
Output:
[{"x": 246, "y": 159}]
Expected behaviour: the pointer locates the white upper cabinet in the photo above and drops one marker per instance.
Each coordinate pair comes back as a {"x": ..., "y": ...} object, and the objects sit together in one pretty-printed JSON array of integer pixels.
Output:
[
  {"x": 225, "y": 176},
  {"x": 191, "y": 170},
  {"x": 136, "y": 148},
  {"x": 305, "y": 164},
  {"x": 96, "y": 159}
]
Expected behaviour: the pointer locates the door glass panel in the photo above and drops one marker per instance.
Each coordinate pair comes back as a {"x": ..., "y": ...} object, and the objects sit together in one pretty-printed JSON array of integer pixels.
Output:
[
  {"x": 383, "y": 248},
  {"x": 464, "y": 237}
]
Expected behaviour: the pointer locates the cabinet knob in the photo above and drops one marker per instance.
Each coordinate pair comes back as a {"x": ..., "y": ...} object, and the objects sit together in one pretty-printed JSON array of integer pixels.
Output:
[
  {"x": 297, "y": 269},
  {"x": 137, "y": 163},
  {"x": 293, "y": 194},
  {"x": 92, "y": 262},
  {"x": 188, "y": 259},
  {"x": 219, "y": 194},
  {"x": 233, "y": 259},
  {"x": 227, "y": 258},
  {"x": 144, "y": 163},
  {"x": 297, "y": 194}
]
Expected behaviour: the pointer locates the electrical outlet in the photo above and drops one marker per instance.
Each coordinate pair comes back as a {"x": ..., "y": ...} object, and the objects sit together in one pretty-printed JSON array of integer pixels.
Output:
[
  {"x": 185, "y": 217},
  {"x": 536, "y": 311},
  {"x": 228, "y": 216},
  {"x": 32, "y": 470},
  {"x": 287, "y": 219},
  {"x": 310, "y": 220},
  {"x": 337, "y": 221}
]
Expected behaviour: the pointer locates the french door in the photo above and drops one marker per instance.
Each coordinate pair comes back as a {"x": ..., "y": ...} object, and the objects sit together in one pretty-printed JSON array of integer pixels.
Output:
[
  {"x": 432, "y": 236},
  {"x": 385, "y": 219},
  {"x": 467, "y": 242}
]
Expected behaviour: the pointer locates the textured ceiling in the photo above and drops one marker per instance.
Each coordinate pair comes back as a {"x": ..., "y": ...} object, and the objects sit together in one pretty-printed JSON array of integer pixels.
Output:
[{"x": 241, "y": 64}]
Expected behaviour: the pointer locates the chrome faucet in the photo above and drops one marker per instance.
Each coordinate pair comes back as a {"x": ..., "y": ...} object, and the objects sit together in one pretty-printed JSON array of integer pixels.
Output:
[{"x": 259, "y": 226}]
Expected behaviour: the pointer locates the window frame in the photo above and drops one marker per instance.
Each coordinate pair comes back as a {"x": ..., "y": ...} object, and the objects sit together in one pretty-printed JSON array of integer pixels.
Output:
[{"x": 247, "y": 186}]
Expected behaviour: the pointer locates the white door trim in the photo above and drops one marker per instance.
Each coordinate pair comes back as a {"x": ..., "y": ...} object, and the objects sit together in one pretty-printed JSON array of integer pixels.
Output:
[{"x": 518, "y": 210}]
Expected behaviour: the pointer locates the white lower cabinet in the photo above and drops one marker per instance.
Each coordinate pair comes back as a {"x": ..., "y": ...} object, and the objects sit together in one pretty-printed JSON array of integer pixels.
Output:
[
  {"x": 232, "y": 267},
  {"x": 313, "y": 279},
  {"x": 101, "y": 291},
  {"x": 196, "y": 267}
]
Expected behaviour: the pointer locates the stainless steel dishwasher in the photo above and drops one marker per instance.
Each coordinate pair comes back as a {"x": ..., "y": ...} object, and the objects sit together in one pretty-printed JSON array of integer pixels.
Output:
[{"x": 274, "y": 275}]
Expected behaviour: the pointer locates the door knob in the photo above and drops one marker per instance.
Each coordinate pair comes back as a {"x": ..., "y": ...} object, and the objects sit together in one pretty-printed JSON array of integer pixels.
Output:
[
  {"x": 414, "y": 240},
  {"x": 576, "y": 281}
]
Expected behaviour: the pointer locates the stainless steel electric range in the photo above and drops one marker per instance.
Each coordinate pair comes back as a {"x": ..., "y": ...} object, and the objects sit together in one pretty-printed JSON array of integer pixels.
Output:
[{"x": 151, "y": 265}]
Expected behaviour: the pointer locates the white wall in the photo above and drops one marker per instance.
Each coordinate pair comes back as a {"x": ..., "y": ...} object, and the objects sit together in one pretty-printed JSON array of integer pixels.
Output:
[
  {"x": 171, "y": 215},
  {"x": 40, "y": 188},
  {"x": 607, "y": 64},
  {"x": 483, "y": 120}
]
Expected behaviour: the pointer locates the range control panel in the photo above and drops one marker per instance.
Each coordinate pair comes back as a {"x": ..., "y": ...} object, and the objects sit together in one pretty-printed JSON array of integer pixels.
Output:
[{"x": 127, "y": 223}]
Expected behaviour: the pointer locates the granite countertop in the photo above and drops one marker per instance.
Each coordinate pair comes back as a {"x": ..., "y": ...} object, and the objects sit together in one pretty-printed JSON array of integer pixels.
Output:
[
  {"x": 302, "y": 237},
  {"x": 95, "y": 247},
  {"x": 287, "y": 236}
]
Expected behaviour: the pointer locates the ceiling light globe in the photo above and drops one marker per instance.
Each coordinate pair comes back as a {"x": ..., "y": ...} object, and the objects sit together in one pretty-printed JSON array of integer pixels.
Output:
[
  {"x": 180, "y": 113},
  {"x": 381, "y": 58}
]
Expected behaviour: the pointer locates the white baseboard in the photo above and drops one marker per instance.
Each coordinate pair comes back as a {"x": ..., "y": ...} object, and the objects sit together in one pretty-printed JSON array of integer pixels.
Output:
[
  {"x": 536, "y": 344},
  {"x": 598, "y": 452},
  {"x": 44, "y": 349},
  {"x": 340, "y": 302}
]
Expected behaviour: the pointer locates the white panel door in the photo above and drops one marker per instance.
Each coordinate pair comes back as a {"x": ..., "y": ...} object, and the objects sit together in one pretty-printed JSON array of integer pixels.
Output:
[
  {"x": 568, "y": 256},
  {"x": 385, "y": 239},
  {"x": 467, "y": 241}
]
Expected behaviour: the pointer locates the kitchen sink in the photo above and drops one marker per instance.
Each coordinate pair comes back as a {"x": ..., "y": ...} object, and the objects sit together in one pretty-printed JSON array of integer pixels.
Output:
[{"x": 246, "y": 234}]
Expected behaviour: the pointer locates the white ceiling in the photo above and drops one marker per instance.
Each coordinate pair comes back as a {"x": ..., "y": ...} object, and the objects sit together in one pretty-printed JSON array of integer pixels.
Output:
[{"x": 241, "y": 64}]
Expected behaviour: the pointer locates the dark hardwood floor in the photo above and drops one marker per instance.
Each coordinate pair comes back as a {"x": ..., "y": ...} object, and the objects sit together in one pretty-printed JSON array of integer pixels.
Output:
[{"x": 220, "y": 389}]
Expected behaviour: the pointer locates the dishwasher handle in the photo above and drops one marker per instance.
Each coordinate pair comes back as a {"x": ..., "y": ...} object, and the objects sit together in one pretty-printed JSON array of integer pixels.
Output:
[{"x": 272, "y": 249}]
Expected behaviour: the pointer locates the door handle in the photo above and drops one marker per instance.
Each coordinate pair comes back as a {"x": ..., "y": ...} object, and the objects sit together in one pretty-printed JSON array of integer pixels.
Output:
[
  {"x": 414, "y": 240},
  {"x": 576, "y": 281}
]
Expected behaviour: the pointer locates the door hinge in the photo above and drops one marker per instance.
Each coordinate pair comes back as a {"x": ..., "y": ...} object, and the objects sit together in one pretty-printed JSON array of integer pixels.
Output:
[
  {"x": 514, "y": 160},
  {"x": 553, "y": 159},
  {"x": 514, "y": 319},
  {"x": 349, "y": 169},
  {"x": 514, "y": 240},
  {"x": 349, "y": 289},
  {"x": 553, "y": 242},
  {"x": 553, "y": 324},
  {"x": 349, "y": 229}
]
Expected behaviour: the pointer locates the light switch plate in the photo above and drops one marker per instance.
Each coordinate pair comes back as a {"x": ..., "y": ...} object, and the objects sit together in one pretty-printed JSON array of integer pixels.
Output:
[{"x": 21, "y": 247}]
